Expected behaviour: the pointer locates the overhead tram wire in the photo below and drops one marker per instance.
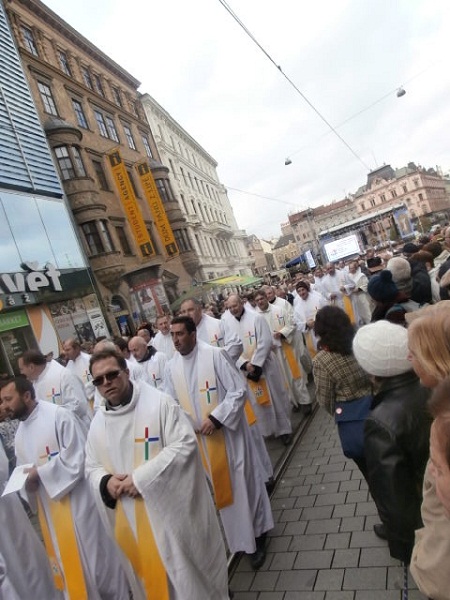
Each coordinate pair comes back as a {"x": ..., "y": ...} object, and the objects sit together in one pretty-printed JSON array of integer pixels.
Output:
[{"x": 310, "y": 104}]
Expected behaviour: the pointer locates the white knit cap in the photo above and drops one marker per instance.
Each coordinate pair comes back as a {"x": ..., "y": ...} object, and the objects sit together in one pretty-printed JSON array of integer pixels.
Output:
[
  {"x": 401, "y": 272},
  {"x": 381, "y": 348}
]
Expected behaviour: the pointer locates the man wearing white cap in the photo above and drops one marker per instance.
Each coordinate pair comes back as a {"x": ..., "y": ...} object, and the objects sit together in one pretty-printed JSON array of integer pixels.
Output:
[{"x": 396, "y": 433}]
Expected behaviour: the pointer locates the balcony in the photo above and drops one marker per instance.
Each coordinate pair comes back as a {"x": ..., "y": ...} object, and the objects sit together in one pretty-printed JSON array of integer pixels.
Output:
[
  {"x": 220, "y": 229},
  {"x": 192, "y": 219},
  {"x": 108, "y": 268},
  {"x": 190, "y": 262}
]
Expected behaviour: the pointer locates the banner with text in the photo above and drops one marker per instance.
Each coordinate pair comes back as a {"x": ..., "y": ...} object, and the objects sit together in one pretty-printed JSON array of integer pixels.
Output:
[
  {"x": 156, "y": 206},
  {"x": 130, "y": 204}
]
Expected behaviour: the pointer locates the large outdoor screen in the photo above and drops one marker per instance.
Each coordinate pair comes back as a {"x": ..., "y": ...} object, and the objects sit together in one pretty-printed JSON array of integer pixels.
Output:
[{"x": 342, "y": 248}]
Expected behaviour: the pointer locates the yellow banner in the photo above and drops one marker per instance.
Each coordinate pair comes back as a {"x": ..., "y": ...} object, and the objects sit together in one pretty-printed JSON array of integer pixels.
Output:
[
  {"x": 157, "y": 209},
  {"x": 130, "y": 204}
]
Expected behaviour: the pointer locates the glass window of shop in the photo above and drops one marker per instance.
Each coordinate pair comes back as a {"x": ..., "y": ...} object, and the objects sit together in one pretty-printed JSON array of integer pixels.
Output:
[{"x": 36, "y": 229}]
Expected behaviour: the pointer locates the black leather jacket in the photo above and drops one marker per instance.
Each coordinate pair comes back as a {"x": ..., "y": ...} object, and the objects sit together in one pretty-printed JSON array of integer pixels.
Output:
[{"x": 397, "y": 433}]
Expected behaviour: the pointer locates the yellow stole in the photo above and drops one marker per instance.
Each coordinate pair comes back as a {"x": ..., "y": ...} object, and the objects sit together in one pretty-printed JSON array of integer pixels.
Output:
[
  {"x": 68, "y": 574},
  {"x": 212, "y": 447},
  {"x": 140, "y": 548},
  {"x": 290, "y": 359},
  {"x": 348, "y": 308},
  {"x": 310, "y": 344},
  {"x": 259, "y": 388}
]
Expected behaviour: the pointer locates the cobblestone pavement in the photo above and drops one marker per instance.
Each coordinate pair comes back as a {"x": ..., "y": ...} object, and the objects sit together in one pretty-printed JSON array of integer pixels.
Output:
[{"x": 323, "y": 546}]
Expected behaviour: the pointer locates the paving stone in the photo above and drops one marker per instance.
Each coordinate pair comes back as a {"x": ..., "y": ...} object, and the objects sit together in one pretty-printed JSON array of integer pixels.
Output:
[
  {"x": 271, "y": 596},
  {"x": 245, "y": 595},
  {"x": 277, "y": 516},
  {"x": 349, "y": 486},
  {"x": 277, "y": 530},
  {"x": 296, "y": 580},
  {"x": 395, "y": 578},
  {"x": 329, "y": 579},
  {"x": 317, "y": 512},
  {"x": 295, "y": 528},
  {"x": 313, "y": 479},
  {"x": 325, "y": 487},
  {"x": 305, "y": 501},
  {"x": 352, "y": 524},
  {"x": 319, "y": 559},
  {"x": 344, "y": 510},
  {"x": 376, "y": 595},
  {"x": 264, "y": 581},
  {"x": 283, "y": 561},
  {"x": 367, "y": 509},
  {"x": 360, "y": 496},
  {"x": 311, "y": 470},
  {"x": 304, "y": 596},
  {"x": 328, "y": 468},
  {"x": 346, "y": 558},
  {"x": 373, "y": 578},
  {"x": 335, "y": 595},
  {"x": 337, "y": 540},
  {"x": 282, "y": 491},
  {"x": 279, "y": 544},
  {"x": 365, "y": 539},
  {"x": 324, "y": 499},
  {"x": 308, "y": 542},
  {"x": 282, "y": 503},
  {"x": 300, "y": 490},
  {"x": 377, "y": 557},
  {"x": 323, "y": 526},
  {"x": 317, "y": 453},
  {"x": 242, "y": 581},
  {"x": 291, "y": 514},
  {"x": 337, "y": 476}
]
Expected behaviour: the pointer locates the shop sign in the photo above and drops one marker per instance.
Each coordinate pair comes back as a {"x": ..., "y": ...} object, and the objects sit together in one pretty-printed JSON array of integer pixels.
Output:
[
  {"x": 13, "y": 320},
  {"x": 33, "y": 281}
]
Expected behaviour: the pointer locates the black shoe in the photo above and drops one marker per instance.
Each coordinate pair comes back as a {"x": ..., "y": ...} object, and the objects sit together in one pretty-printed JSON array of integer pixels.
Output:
[
  {"x": 230, "y": 594},
  {"x": 296, "y": 409},
  {"x": 306, "y": 409},
  {"x": 270, "y": 485},
  {"x": 380, "y": 531},
  {"x": 257, "y": 559},
  {"x": 286, "y": 438}
]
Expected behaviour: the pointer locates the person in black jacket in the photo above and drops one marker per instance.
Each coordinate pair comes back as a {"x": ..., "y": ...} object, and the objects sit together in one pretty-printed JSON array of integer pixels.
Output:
[{"x": 396, "y": 434}]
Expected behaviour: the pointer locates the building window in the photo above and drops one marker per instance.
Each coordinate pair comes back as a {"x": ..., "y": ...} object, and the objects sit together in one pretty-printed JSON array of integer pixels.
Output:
[
  {"x": 93, "y": 238},
  {"x": 111, "y": 128},
  {"x": 79, "y": 113},
  {"x": 133, "y": 106},
  {"x": 47, "y": 99},
  {"x": 64, "y": 62},
  {"x": 99, "y": 85},
  {"x": 394, "y": 193},
  {"x": 87, "y": 78},
  {"x": 382, "y": 197},
  {"x": 123, "y": 240},
  {"x": 69, "y": 162},
  {"x": 372, "y": 202},
  {"x": 106, "y": 236},
  {"x": 420, "y": 197},
  {"x": 106, "y": 126},
  {"x": 182, "y": 240},
  {"x": 100, "y": 173},
  {"x": 163, "y": 190},
  {"x": 129, "y": 137},
  {"x": 405, "y": 189},
  {"x": 184, "y": 175},
  {"x": 29, "y": 41},
  {"x": 146, "y": 143},
  {"x": 116, "y": 96}
]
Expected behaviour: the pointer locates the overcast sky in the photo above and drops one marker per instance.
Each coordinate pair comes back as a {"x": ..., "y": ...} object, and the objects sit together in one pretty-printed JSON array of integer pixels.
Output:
[{"x": 343, "y": 55}]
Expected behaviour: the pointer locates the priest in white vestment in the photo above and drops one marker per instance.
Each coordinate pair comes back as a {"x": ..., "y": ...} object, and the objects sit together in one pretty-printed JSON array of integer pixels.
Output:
[
  {"x": 55, "y": 384},
  {"x": 305, "y": 310},
  {"x": 85, "y": 563},
  {"x": 151, "y": 362},
  {"x": 259, "y": 365},
  {"x": 288, "y": 346},
  {"x": 208, "y": 386},
  {"x": 78, "y": 364},
  {"x": 333, "y": 285},
  {"x": 216, "y": 333},
  {"x": 163, "y": 340},
  {"x": 144, "y": 467},
  {"x": 25, "y": 561},
  {"x": 358, "y": 294}
]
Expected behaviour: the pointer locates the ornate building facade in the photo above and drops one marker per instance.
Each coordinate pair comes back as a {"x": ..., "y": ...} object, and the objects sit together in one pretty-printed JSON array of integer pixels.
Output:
[
  {"x": 212, "y": 229},
  {"x": 89, "y": 107}
]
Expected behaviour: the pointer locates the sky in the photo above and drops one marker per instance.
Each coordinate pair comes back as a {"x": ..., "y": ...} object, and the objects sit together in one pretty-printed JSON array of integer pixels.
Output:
[{"x": 347, "y": 57}]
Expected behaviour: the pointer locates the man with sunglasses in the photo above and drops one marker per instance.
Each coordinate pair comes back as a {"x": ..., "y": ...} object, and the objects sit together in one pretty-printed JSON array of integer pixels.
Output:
[{"x": 144, "y": 467}]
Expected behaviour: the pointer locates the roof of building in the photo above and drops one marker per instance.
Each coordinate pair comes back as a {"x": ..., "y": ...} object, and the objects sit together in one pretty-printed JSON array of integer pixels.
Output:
[{"x": 284, "y": 241}]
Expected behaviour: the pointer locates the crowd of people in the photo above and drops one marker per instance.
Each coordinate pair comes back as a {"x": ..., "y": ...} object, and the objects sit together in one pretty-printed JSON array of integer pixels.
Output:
[{"x": 139, "y": 452}]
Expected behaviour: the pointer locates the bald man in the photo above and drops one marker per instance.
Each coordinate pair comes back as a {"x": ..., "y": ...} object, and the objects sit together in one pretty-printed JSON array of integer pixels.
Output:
[{"x": 152, "y": 362}]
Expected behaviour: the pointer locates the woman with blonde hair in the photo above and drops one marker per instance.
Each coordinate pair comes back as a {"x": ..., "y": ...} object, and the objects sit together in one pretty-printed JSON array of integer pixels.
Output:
[{"x": 429, "y": 346}]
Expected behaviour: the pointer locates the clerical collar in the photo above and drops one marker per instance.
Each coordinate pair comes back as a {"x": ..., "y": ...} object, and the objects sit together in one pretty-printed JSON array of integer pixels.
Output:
[
  {"x": 124, "y": 402},
  {"x": 241, "y": 315},
  {"x": 272, "y": 301},
  {"x": 148, "y": 355}
]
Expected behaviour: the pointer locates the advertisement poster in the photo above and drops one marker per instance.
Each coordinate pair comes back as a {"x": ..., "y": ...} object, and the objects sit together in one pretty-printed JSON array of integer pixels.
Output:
[{"x": 149, "y": 300}]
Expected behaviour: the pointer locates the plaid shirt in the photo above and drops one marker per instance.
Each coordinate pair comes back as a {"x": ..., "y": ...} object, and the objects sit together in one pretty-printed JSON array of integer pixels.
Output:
[{"x": 338, "y": 378}]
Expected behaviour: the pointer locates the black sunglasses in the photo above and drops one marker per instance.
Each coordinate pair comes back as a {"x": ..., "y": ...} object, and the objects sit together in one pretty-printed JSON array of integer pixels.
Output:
[{"x": 108, "y": 376}]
